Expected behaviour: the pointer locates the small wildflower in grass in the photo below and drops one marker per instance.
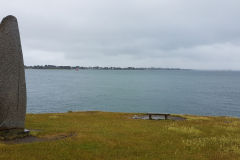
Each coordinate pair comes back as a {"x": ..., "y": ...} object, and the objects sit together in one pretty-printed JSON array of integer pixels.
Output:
[
  {"x": 53, "y": 116},
  {"x": 184, "y": 129}
]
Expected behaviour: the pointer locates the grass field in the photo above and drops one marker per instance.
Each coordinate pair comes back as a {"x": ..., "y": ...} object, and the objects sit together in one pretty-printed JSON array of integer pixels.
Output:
[{"x": 108, "y": 135}]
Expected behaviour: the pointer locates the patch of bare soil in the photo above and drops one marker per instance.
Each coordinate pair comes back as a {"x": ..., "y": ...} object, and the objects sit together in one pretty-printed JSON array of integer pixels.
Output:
[
  {"x": 176, "y": 118},
  {"x": 28, "y": 139},
  {"x": 31, "y": 139}
]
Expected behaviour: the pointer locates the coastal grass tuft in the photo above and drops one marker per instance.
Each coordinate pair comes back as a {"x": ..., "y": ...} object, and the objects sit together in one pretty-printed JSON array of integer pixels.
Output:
[{"x": 109, "y": 135}]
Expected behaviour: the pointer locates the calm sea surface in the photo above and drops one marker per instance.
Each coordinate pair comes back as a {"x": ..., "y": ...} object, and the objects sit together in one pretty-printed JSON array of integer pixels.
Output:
[{"x": 215, "y": 93}]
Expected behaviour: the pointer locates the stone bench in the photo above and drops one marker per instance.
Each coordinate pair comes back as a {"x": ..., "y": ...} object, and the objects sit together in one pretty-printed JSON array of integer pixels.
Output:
[{"x": 162, "y": 114}]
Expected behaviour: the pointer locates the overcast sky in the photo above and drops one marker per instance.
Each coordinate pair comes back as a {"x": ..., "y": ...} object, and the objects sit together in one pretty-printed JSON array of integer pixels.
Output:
[{"x": 203, "y": 34}]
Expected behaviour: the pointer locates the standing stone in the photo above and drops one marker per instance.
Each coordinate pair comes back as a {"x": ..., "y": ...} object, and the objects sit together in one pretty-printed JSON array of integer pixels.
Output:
[{"x": 12, "y": 77}]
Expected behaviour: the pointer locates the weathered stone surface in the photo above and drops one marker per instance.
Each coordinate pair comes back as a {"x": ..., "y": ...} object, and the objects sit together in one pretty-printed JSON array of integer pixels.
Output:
[
  {"x": 12, "y": 134},
  {"x": 12, "y": 76}
]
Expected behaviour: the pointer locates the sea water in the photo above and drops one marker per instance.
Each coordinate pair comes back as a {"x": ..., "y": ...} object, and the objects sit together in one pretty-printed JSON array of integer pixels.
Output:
[{"x": 210, "y": 93}]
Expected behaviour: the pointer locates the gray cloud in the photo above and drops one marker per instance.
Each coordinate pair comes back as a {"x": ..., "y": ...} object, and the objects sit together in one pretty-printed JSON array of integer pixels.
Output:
[{"x": 194, "y": 34}]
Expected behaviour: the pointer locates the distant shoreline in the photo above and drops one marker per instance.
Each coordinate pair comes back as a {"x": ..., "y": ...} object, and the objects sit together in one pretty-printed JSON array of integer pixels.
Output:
[
  {"x": 99, "y": 68},
  {"x": 113, "y": 69},
  {"x": 147, "y": 69}
]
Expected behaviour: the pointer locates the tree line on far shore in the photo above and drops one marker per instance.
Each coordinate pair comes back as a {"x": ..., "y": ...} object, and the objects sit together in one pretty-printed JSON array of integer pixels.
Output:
[
  {"x": 48, "y": 67},
  {"x": 98, "y": 68}
]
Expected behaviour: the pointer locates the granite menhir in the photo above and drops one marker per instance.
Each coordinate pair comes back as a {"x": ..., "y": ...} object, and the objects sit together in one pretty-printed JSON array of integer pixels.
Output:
[{"x": 12, "y": 76}]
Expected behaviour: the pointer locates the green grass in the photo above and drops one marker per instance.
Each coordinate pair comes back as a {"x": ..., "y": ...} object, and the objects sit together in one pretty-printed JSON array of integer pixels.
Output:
[{"x": 108, "y": 135}]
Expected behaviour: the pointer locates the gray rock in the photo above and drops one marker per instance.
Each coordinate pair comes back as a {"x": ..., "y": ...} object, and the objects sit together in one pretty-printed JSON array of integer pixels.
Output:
[{"x": 12, "y": 76}]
